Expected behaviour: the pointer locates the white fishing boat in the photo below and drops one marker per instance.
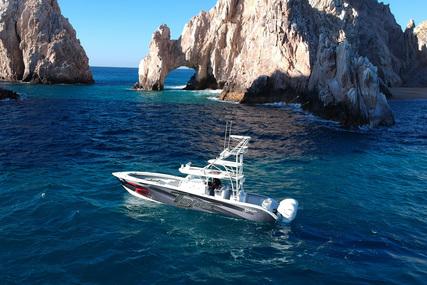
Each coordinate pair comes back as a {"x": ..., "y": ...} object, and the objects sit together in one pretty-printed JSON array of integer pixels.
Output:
[{"x": 216, "y": 188}]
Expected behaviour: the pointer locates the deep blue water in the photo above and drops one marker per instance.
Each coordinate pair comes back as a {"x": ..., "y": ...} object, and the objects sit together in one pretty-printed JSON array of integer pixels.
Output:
[{"x": 64, "y": 219}]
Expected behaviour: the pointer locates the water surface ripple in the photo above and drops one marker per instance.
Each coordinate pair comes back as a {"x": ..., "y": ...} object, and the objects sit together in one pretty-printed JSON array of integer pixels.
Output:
[{"x": 65, "y": 219}]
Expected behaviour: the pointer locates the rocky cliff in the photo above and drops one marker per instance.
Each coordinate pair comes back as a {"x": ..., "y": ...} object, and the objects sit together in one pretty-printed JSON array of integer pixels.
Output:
[
  {"x": 416, "y": 58},
  {"x": 335, "y": 57},
  {"x": 37, "y": 44}
]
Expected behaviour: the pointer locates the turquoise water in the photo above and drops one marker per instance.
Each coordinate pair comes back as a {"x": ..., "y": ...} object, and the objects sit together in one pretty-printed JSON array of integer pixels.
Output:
[{"x": 65, "y": 219}]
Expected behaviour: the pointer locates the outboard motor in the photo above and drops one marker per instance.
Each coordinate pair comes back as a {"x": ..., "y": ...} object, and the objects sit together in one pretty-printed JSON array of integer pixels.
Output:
[
  {"x": 270, "y": 204},
  {"x": 287, "y": 210}
]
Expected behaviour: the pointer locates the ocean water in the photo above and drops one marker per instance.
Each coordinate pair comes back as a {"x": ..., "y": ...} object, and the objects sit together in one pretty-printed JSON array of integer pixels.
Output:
[{"x": 64, "y": 219}]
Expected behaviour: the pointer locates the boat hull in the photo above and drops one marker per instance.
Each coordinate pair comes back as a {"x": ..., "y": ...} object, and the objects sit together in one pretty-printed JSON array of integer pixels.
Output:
[{"x": 202, "y": 203}]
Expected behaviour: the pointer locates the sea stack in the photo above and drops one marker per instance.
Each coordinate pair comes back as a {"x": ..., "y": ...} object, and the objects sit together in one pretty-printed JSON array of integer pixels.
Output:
[
  {"x": 39, "y": 45},
  {"x": 337, "y": 58}
]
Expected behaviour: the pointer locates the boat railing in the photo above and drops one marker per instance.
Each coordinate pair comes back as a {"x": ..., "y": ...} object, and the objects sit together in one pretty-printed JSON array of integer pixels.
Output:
[
  {"x": 210, "y": 172},
  {"x": 234, "y": 168},
  {"x": 223, "y": 167},
  {"x": 240, "y": 148}
]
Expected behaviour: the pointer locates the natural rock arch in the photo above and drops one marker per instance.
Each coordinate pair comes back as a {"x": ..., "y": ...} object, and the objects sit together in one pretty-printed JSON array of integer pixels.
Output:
[
  {"x": 315, "y": 52},
  {"x": 167, "y": 55}
]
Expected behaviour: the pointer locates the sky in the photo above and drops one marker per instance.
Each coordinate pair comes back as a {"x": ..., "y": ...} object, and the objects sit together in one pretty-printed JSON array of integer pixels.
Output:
[{"x": 117, "y": 33}]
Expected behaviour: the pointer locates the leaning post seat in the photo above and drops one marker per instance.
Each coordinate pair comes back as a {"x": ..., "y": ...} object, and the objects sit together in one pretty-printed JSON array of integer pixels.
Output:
[{"x": 223, "y": 193}]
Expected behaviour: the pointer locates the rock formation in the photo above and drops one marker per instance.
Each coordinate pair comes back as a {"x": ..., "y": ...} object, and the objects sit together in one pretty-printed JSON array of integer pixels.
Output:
[
  {"x": 416, "y": 61},
  {"x": 335, "y": 57},
  {"x": 37, "y": 44},
  {"x": 421, "y": 34},
  {"x": 8, "y": 94}
]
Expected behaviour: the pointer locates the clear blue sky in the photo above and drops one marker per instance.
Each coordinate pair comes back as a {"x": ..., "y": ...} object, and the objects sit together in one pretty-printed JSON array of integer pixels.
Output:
[{"x": 117, "y": 33}]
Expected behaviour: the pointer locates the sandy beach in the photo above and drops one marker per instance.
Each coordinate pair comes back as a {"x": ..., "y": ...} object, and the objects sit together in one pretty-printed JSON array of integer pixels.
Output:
[{"x": 404, "y": 93}]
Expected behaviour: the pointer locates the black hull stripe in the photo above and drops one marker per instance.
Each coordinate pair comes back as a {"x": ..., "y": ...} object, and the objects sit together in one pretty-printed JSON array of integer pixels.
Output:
[{"x": 195, "y": 202}]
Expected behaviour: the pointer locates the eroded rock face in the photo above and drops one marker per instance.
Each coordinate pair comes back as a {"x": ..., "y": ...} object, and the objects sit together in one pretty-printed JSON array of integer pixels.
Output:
[
  {"x": 421, "y": 33},
  {"x": 335, "y": 57},
  {"x": 416, "y": 61},
  {"x": 379, "y": 38},
  {"x": 37, "y": 44}
]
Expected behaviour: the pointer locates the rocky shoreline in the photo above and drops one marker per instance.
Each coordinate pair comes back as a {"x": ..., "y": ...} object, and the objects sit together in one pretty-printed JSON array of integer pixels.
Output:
[
  {"x": 408, "y": 93},
  {"x": 8, "y": 94}
]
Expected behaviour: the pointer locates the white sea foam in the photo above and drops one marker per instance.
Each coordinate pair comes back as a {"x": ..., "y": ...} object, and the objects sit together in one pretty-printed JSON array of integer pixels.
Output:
[
  {"x": 176, "y": 87},
  {"x": 214, "y": 98},
  {"x": 214, "y": 91},
  {"x": 222, "y": 101},
  {"x": 206, "y": 91},
  {"x": 278, "y": 104}
]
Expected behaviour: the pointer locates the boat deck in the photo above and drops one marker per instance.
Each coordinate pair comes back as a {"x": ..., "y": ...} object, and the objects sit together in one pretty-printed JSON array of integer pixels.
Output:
[
  {"x": 175, "y": 181},
  {"x": 158, "y": 179},
  {"x": 255, "y": 199}
]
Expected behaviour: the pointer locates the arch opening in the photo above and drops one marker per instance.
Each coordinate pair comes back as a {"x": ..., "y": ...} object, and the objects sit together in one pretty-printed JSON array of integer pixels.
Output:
[{"x": 180, "y": 79}]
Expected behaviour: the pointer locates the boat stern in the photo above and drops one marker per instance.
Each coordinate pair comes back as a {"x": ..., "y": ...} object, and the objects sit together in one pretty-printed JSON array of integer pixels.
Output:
[{"x": 287, "y": 211}]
